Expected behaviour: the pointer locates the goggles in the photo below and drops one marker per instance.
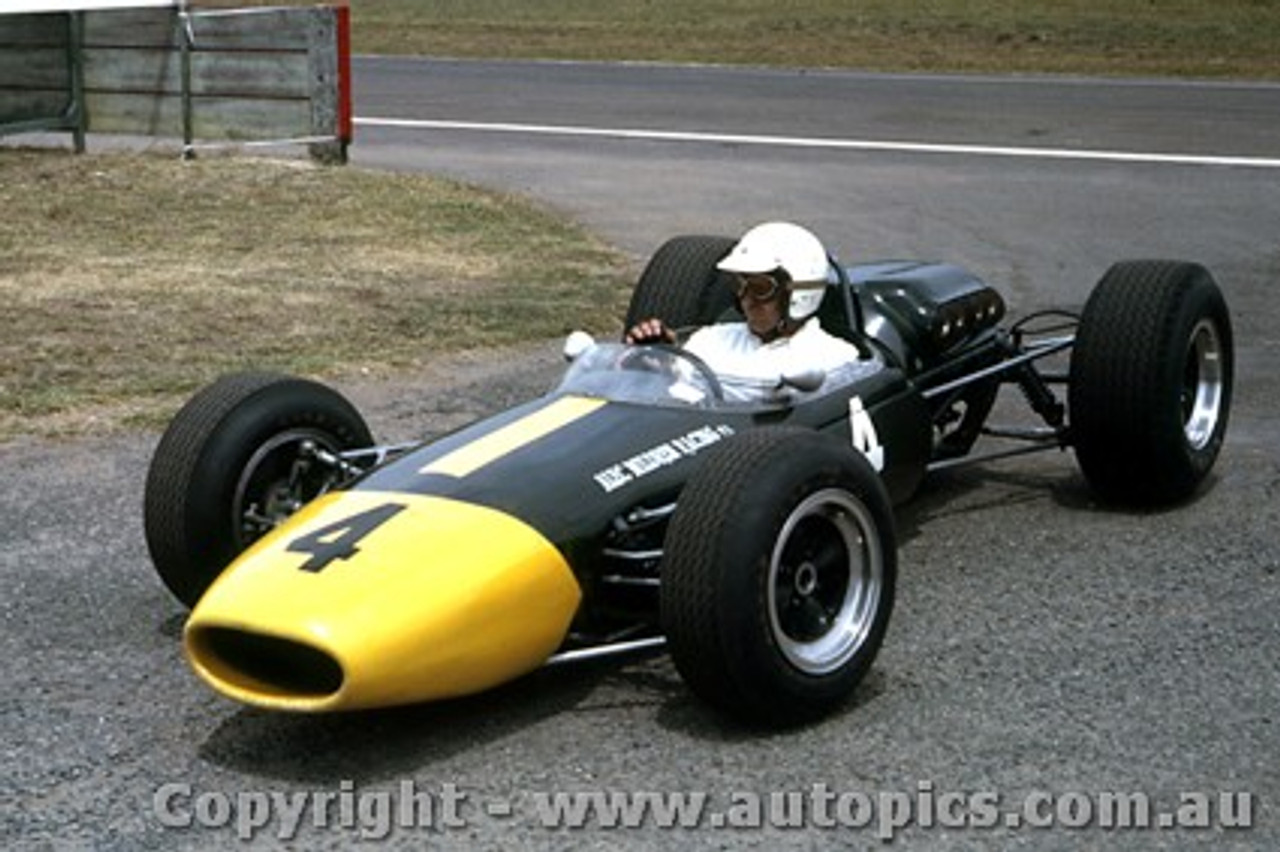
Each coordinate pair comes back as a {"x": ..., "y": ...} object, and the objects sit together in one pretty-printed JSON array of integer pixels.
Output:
[{"x": 759, "y": 287}]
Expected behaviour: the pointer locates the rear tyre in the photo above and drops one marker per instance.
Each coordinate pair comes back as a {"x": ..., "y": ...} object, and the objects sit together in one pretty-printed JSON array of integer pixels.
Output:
[
  {"x": 231, "y": 465},
  {"x": 681, "y": 285},
  {"x": 778, "y": 575},
  {"x": 1151, "y": 381}
]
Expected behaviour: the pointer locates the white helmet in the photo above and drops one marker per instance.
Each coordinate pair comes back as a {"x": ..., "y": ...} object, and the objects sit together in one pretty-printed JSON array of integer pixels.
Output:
[{"x": 783, "y": 247}]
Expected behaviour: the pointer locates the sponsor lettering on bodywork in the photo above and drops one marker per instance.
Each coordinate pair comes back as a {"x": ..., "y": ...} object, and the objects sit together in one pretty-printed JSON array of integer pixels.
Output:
[{"x": 669, "y": 452}]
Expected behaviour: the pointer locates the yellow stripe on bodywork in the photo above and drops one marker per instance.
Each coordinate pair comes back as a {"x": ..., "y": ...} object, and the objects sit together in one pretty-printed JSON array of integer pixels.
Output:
[{"x": 470, "y": 458}]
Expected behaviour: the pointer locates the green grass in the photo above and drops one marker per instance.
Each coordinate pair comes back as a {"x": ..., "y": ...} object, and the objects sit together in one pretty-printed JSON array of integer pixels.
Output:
[
  {"x": 127, "y": 281},
  {"x": 1202, "y": 38},
  {"x": 1163, "y": 37}
]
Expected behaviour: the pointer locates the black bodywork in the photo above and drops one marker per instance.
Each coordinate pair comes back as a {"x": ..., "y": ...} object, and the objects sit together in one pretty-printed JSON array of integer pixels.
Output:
[
  {"x": 924, "y": 325},
  {"x": 636, "y": 504}
]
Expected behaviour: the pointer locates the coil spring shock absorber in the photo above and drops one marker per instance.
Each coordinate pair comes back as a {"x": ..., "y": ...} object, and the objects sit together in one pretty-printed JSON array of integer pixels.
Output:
[{"x": 1037, "y": 391}]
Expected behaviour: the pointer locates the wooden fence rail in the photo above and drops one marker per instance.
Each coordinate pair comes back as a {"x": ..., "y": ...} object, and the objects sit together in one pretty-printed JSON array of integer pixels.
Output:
[{"x": 250, "y": 75}]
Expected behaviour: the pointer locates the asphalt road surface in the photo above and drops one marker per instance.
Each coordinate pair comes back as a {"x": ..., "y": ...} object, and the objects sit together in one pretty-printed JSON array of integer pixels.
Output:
[{"x": 1044, "y": 656}]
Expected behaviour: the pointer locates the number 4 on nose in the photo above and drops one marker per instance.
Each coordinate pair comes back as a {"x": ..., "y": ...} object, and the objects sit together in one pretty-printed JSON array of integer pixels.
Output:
[{"x": 338, "y": 540}]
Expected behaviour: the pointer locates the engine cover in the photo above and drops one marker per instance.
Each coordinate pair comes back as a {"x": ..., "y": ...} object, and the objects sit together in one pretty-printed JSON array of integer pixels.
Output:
[{"x": 923, "y": 311}]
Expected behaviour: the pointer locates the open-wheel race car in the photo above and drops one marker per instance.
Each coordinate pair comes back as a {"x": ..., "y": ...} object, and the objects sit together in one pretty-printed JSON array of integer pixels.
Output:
[{"x": 636, "y": 504}]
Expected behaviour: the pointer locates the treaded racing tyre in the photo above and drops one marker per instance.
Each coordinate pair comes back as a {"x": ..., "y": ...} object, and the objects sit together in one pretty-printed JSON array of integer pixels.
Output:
[
  {"x": 1150, "y": 382},
  {"x": 681, "y": 285},
  {"x": 232, "y": 453},
  {"x": 778, "y": 575}
]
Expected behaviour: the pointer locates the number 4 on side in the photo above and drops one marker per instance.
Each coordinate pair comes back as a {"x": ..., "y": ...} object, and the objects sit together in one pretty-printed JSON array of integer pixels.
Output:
[{"x": 863, "y": 432}]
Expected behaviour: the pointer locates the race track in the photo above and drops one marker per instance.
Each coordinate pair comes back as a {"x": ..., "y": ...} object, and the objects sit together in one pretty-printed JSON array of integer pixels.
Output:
[{"x": 1044, "y": 653}]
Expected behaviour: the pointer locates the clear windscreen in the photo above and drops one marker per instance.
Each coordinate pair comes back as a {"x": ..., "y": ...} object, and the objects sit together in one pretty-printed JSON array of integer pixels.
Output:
[
  {"x": 655, "y": 375},
  {"x": 667, "y": 375}
]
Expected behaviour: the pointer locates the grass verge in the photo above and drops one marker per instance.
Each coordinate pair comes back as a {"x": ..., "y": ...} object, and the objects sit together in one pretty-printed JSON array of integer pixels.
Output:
[
  {"x": 1205, "y": 38},
  {"x": 128, "y": 280}
]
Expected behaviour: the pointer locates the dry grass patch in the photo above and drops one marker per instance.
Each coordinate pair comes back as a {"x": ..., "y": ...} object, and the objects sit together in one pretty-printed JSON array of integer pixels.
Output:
[{"x": 127, "y": 280}]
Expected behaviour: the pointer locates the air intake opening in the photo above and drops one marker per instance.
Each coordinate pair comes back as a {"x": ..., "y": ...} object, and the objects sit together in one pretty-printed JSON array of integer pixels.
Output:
[{"x": 266, "y": 663}]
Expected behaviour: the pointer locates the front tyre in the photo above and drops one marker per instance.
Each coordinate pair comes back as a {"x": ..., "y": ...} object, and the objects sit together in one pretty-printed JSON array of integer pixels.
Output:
[
  {"x": 778, "y": 575},
  {"x": 1151, "y": 381},
  {"x": 232, "y": 464}
]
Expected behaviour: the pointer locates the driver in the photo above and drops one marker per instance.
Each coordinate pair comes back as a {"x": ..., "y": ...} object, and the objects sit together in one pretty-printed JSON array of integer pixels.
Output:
[{"x": 779, "y": 277}]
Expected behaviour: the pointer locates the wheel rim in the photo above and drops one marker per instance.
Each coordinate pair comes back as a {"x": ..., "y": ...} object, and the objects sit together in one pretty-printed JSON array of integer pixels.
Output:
[
  {"x": 1202, "y": 385},
  {"x": 826, "y": 577},
  {"x": 276, "y": 482}
]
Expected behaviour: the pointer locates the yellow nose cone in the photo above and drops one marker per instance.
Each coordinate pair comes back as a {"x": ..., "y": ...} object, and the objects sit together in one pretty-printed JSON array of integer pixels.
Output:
[{"x": 367, "y": 599}]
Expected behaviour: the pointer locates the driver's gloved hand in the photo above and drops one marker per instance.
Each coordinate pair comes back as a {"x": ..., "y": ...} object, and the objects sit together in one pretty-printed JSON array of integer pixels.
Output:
[{"x": 649, "y": 331}]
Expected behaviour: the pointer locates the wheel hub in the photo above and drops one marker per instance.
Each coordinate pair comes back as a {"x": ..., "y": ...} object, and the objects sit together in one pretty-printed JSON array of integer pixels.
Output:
[
  {"x": 806, "y": 580},
  {"x": 277, "y": 480},
  {"x": 1202, "y": 385},
  {"x": 825, "y": 580}
]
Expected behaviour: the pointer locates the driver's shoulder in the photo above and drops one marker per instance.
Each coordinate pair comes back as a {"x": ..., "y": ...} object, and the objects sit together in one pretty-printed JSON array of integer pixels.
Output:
[
  {"x": 720, "y": 335},
  {"x": 812, "y": 334}
]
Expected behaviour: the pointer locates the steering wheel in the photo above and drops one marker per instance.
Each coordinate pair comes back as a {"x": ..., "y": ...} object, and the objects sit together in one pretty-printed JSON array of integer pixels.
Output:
[{"x": 713, "y": 382}]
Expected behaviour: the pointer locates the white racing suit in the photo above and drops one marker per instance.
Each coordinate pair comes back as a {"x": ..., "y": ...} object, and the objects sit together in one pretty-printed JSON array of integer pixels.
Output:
[{"x": 751, "y": 369}]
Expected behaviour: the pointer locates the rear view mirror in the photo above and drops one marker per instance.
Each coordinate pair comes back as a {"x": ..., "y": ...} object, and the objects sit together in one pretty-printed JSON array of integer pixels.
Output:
[{"x": 576, "y": 343}]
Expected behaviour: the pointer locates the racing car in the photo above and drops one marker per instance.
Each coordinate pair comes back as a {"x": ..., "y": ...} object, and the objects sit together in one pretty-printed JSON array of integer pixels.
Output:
[{"x": 636, "y": 505}]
